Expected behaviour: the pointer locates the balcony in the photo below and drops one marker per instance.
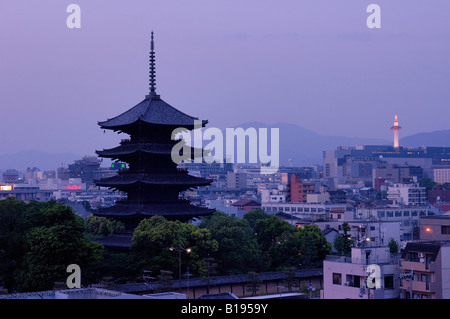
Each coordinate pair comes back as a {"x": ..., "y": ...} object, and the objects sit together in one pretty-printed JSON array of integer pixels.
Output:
[
  {"x": 407, "y": 265},
  {"x": 417, "y": 286}
]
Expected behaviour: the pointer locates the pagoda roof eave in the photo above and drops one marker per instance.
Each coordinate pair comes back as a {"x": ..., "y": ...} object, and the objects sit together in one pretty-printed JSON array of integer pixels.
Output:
[
  {"x": 153, "y": 179},
  {"x": 151, "y": 111},
  {"x": 147, "y": 148}
]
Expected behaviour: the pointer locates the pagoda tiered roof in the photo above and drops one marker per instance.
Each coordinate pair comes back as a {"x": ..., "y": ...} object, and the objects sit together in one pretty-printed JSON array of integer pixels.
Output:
[
  {"x": 181, "y": 210},
  {"x": 127, "y": 149},
  {"x": 152, "y": 110},
  {"x": 176, "y": 179}
]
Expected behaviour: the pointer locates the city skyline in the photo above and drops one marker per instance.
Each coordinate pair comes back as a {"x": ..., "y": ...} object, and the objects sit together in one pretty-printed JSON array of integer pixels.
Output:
[{"x": 316, "y": 65}]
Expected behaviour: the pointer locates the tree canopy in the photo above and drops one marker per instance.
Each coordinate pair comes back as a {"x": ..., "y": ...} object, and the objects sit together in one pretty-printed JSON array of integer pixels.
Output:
[
  {"x": 156, "y": 241},
  {"x": 44, "y": 238}
]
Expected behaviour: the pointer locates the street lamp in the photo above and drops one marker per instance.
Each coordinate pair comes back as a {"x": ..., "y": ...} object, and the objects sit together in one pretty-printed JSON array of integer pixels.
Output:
[{"x": 180, "y": 249}]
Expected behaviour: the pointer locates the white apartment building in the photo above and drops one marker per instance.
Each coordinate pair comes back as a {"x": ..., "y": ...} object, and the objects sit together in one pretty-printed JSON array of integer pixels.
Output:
[
  {"x": 374, "y": 233},
  {"x": 347, "y": 277},
  {"x": 310, "y": 211},
  {"x": 407, "y": 216},
  {"x": 407, "y": 194}
]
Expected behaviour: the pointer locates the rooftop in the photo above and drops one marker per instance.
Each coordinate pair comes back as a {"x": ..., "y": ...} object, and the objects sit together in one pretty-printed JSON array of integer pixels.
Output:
[{"x": 151, "y": 111}]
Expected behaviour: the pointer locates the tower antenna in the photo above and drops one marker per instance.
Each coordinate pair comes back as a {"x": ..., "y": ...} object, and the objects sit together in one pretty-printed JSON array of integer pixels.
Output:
[{"x": 152, "y": 70}]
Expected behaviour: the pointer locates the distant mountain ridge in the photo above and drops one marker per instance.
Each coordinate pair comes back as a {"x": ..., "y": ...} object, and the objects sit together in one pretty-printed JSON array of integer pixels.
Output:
[
  {"x": 303, "y": 146},
  {"x": 437, "y": 138},
  {"x": 33, "y": 158}
]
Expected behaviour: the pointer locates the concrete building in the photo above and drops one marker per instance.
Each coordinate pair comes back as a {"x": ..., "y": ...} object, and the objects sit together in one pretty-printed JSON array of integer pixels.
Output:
[
  {"x": 441, "y": 175},
  {"x": 236, "y": 180},
  {"x": 396, "y": 173},
  {"x": 374, "y": 233},
  {"x": 408, "y": 216},
  {"x": 425, "y": 271},
  {"x": 346, "y": 277},
  {"x": 407, "y": 194},
  {"x": 298, "y": 191},
  {"x": 350, "y": 164},
  {"x": 307, "y": 211},
  {"x": 273, "y": 195},
  {"x": 434, "y": 228}
]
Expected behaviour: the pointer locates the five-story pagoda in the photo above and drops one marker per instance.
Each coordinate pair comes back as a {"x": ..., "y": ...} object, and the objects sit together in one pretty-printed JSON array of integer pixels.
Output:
[{"x": 152, "y": 180}]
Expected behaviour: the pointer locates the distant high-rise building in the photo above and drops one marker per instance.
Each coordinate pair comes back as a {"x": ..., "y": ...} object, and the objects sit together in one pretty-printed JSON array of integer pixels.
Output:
[
  {"x": 347, "y": 164},
  {"x": 396, "y": 128},
  {"x": 85, "y": 168},
  {"x": 236, "y": 180}
]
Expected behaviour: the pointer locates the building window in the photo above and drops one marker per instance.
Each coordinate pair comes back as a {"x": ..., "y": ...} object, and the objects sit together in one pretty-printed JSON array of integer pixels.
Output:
[
  {"x": 398, "y": 214},
  {"x": 390, "y": 214},
  {"x": 389, "y": 282},
  {"x": 445, "y": 230},
  {"x": 413, "y": 256},
  {"x": 337, "y": 279},
  {"x": 353, "y": 281}
]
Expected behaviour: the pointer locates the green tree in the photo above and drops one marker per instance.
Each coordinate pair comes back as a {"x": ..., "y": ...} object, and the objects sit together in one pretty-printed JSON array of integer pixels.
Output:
[
  {"x": 286, "y": 246},
  {"x": 102, "y": 226},
  {"x": 58, "y": 242},
  {"x": 12, "y": 232},
  {"x": 165, "y": 281},
  {"x": 343, "y": 242},
  {"x": 254, "y": 283},
  {"x": 313, "y": 246},
  {"x": 253, "y": 216},
  {"x": 393, "y": 246},
  {"x": 238, "y": 251},
  {"x": 46, "y": 238},
  {"x": 290, "y": 280},
  {"x": 153, "y": 238},
  {"x": 427, "y": 182}
]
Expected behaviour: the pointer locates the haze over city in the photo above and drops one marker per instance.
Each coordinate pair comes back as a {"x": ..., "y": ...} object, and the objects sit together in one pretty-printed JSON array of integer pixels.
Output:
[{"x": 315, "y": 64}]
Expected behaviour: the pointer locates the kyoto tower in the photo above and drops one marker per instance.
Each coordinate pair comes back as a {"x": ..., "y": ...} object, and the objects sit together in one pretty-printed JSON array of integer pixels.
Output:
[{"x": 396, "y": 128}]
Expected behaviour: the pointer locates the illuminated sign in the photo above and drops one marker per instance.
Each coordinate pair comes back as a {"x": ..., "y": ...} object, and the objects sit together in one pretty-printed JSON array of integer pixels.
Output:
[
  {"x": 72, "y": 187},
  {"x": 118, "y": 166},
  {"x": 5, "y": 187}
]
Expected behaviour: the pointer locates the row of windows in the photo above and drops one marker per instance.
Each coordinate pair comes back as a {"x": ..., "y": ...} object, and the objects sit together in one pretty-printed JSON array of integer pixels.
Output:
[
  {"x": 405, "y": 213},
  {"x": 296, "y": 209},
  {"x": 355, "y": 281}
]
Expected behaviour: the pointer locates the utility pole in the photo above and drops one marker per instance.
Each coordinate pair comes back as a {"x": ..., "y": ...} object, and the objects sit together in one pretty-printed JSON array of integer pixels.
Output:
[{"x": 180, "y": 249}]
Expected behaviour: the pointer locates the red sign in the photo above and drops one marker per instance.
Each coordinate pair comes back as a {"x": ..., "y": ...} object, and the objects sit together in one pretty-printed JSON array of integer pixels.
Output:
[{"x": 72, "y": 187}]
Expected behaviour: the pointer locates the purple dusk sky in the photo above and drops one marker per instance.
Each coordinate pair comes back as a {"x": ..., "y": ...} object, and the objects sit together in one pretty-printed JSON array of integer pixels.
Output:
[{"x": 313, "y": 63}]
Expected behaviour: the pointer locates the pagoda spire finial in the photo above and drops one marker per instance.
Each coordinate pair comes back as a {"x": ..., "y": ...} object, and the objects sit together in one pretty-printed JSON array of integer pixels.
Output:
[{"x": 152, "y": 71}]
